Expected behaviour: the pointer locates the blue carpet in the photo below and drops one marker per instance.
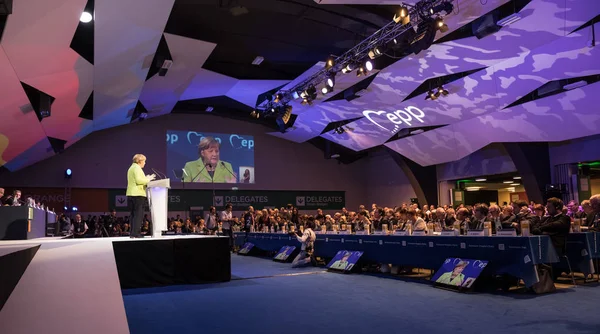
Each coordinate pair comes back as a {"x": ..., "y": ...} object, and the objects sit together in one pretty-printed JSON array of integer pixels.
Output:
[{"x": 321, "y": 302}]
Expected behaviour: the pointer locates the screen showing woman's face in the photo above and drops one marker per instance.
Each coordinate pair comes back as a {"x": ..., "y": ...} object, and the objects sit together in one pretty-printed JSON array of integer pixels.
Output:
[{"x": 211, "y": 155}]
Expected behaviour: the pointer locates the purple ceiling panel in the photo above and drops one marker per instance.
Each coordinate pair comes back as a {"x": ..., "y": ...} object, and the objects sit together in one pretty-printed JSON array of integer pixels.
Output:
[{"x": 360, "y": 134}]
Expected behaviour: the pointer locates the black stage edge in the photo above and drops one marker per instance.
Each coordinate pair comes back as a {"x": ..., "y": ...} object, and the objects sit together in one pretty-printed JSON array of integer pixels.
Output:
[
  {"x": 13, "y": 266},
  {"x": 160, "y": 262}
]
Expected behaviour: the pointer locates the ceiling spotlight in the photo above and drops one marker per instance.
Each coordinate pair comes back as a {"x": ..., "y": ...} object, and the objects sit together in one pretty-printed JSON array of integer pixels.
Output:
[
  {"x": 85, "y": 17},
  {"x": 515, "y": 184},
  {"x": 339, "y": 130},
  {"x": 444, "y": 28},
  {"x": 349, "y": 68},
  {"x": 480, "y": 180},
  {"x": 344, "y": 70},
  {"x": 331, "y": 80},
  {"x": 516, "y": 178},
  {"x": 360, "y": 71},
  {"x": 376, "y": 52},
  {"x": 431, "y": 96},
  {"x": 278, "y": 97},
  {"x": 324, "y": 90},
  {"x": 507, "y": 182},
  {"x": 431, "y": 11},
  {"x": 439, "y": 22},
  {"x": 402, "y": 15},
  {"x": 330, "y": 62},
  {"x": 369, "y": 65},
  {"x": 254, "y": 114}
]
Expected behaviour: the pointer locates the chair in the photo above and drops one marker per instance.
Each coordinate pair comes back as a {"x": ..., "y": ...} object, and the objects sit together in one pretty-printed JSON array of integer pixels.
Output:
[{"x": 564, "y": 256}]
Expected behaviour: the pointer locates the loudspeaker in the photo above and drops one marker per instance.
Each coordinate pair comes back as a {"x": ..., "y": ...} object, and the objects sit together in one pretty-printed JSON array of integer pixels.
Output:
[{"x": 45, "y": 105}]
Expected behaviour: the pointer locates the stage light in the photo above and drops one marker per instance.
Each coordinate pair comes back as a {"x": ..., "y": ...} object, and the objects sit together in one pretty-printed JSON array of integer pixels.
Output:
[
  {"x": 369, "y": 65},
  {"x": 402, "y": 15},
  {"x": 278, "y": 97},
  {"x": 86, "y": 17},
  {"x": 295, "y": 95},
  {"x": 303, "y": 94},
  {"x": 431, "y": 96},
  {"x": 65, "y": 208},
  {"x": 516, "y": 178},
  {"x": 349, "y": 67},
  {"x": 344, "y": 70},
  {"x": 507, "y": 182},
  {"x": 324, "y": 90},
  {"x": 330, "y": 62},
  {"x": 75, "y": 209},
  {"x": 375, "y": 52},
  {"x": 331, "y": 80},
  {"x": 360, "y": 71},
  {"x": 480, "y": 180},
  {"x": 68, "y": 173},
  {"x": 439, "y": 22}
]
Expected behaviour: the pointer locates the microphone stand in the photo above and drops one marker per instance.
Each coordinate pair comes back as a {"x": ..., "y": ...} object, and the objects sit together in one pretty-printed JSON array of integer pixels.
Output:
[{"x": 230, "y": 172}]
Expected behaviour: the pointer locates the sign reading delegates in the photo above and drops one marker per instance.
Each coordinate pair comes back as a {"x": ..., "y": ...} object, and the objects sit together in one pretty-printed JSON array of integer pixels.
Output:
[
  {"x": 459, "y": 273},
  {"x": 211, "y": 157},
  {"x": 344, "y": 260},
  {"x": 284, "y": 253},
  {"x": 181, "y": 200}
]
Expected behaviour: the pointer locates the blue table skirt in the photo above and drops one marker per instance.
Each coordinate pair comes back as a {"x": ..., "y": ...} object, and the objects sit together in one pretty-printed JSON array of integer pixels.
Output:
[
  {"x": 582, "y": 249},
  {"x": 516, "y": 256}
]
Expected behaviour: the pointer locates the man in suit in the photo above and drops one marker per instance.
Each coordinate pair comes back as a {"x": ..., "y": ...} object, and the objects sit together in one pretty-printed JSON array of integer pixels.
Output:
[
  {"x": 249, "y": 220},
  {"x": 1, "y": 195},
  {"x": 594, "y": 222},
  {"x": 557, "y": 225},
  {"x": 14, "y": 199},
  {"x": 588, "y": 212},
  {"x": 480, "y": 213},
  {"x": 209, "y": 168},
  {"x": 136, "y": 193}
]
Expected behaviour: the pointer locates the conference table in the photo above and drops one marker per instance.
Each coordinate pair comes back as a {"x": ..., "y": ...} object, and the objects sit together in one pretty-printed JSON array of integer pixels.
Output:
[
  {"x": 516, "y": 256},
  {"x": 582, "y": 250}
]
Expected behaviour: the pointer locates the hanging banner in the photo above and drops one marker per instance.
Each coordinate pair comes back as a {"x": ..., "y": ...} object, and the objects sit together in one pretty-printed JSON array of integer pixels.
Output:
[{"x": 180, "y": 199}]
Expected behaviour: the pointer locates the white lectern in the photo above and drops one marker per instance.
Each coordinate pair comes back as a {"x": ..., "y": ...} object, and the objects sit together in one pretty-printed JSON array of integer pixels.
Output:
[{"x": 158, "y": 200}]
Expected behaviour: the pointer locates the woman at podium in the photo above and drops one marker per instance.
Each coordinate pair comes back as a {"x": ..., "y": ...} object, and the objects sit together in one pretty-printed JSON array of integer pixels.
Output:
[
  {"x": 136, "y": 193},
  {"x": 209, "y": 167}
]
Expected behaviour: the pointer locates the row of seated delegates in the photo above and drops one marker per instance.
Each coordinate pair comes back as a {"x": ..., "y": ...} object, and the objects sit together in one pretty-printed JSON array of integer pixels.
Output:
[
  {"x": 108, "y": 225},
  {"x": 11, "y": 200}
]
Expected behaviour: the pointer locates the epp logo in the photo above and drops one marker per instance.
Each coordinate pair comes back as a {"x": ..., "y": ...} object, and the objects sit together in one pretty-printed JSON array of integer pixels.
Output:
[
  {"x": 219, "y": 200},
  {"x": 300, "y": 201},
  {"x": 120, "y": 200},
  {"x": 194, "y": 138},
  {"x": 406, "y": 116},
  {"x": 239, "y": 142}
]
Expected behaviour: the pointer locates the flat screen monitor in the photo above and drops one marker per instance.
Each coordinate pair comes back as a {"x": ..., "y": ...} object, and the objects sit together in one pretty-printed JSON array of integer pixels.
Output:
[
  {"x": 284, "y": 253},
  {"x": 459, "y": 273},
  {"x": 246, "y": 248},
  {"x": 344, "y": 260}
]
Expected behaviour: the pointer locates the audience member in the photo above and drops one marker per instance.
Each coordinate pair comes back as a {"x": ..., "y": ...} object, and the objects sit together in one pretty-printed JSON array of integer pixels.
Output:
[{"x": 557, "y": 225}]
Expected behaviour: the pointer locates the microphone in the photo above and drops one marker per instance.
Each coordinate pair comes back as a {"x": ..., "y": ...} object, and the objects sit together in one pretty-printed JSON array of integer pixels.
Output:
[
  {"x": 203, "y": 168},
  {"x": 161, "y": 175},
  {"x": 234, "y": 176}
]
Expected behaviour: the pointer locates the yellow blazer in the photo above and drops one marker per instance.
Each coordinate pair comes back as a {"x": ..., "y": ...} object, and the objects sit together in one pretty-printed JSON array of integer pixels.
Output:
[
  {"x": 222, "y": 173},
  {"x": 136, "y": 181}
]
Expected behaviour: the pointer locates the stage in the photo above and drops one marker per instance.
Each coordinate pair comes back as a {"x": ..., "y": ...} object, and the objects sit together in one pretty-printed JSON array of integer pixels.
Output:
[{"x": 55, "y": 285}]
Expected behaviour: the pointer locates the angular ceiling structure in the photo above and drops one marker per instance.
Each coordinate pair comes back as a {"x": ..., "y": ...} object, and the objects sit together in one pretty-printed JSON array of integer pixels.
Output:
[{"x": 109, "y": 73}]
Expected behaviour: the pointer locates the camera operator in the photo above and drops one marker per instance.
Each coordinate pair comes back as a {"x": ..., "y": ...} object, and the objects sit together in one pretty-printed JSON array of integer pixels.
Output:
[
  {"x": 110, "y": 221},
  {"x": 307, "y": 239}
]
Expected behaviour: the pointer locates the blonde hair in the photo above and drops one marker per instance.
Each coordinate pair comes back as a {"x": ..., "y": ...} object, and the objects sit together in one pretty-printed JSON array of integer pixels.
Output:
[{"x": 138, "y": 157}]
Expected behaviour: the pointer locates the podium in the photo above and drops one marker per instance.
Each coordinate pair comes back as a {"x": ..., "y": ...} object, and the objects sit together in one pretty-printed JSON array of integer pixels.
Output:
[
  {"x": 22, "y": 223},
  {"x": 158, "y": 200}
]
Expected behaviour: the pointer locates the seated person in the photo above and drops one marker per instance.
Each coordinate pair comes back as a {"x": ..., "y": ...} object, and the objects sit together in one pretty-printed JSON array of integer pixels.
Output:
[
  {"x": 557, "y": 226},
  {"x": 79, "y": 227},
  {"x": 418, "y": 224},
  {"x": 480, "y": 212},
  {"x": 588, "y": 213},
  {"x": 1, "y": 196},
  {"x": 14, "y": 199},
  {"x": 508, "y": 217},
  {"x": 378, "y": 219}
]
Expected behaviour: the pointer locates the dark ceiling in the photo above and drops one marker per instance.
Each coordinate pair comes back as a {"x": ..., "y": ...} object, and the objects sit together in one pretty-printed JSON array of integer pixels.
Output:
[{"x": 291, "y": 35}]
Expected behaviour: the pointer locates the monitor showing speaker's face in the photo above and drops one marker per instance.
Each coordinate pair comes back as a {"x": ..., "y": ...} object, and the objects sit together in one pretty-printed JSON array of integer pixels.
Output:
[{"x": 211, "y": 157}]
